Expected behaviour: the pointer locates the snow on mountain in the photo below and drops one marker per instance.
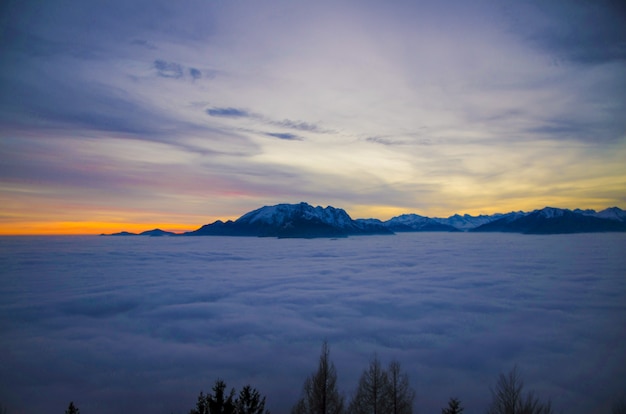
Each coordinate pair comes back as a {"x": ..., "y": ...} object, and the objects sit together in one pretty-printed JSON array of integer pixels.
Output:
[
  {"x": 551, "y": 212},
  {"x": 466, "y": 222},
  {"x": 415, "y": 222},
  {"x": 550, "y": 220},
  {"x": 282, "y": 214},
  {"x": 613, "y": 213},
  {"x": 292, "y": 220},
  {"x": 304, "y": 220}
]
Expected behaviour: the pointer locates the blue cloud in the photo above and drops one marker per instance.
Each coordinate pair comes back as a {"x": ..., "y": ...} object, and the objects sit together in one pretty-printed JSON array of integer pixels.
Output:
[
  {"x": 168, "y": 69},
  {"x": 384, "y": 141},
  {"x": 195, "y": 73},
  {"x": 298, "y": 125},
  {"x": 284, "y": 135},
  {"x": 228, "y": 112},
  {"x": 583, "y": 32}
]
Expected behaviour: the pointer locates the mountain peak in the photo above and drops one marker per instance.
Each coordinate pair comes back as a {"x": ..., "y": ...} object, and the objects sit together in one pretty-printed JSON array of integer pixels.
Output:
[
  {"x": 550, "y": 212},
  {"x": 294, "y": 220},
  {"x": 306, "y": 221}
]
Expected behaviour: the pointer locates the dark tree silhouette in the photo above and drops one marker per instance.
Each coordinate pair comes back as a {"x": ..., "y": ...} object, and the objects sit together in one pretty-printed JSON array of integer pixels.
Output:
[
  {"x": 454, "y": 407},
  {"x": 619, "y": 406},
  {"x": 372, "y": 395},
  {"x": 400, "y": 392},
  {"x": 72, "y": 409},
  {"x": 250, "y": 402},
  {"x": 319, "y": 394},
  {"x": 508, "y": 397},
  {"x": 220, "y": 403},
  {"x": 201, "y": 405},
  {"x": 217, "y": 403}
]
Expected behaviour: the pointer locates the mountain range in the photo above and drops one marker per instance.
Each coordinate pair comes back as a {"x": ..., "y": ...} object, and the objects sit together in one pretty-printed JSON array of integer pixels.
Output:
[{"x": 305, "y": 221}]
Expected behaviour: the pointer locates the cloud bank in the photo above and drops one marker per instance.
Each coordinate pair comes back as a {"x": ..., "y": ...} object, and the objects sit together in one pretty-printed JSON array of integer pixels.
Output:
[{"x": 121, "y": 325}]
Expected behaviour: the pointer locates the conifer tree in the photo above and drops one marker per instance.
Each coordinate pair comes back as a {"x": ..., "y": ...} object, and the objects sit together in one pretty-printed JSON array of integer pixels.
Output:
[
  {"x": 201, "y": 405},
  {"x": 320, "y": 394},
  {"x": 454, "y": 407},
  {"x": 220, "y": 402},
  {"x": 72, "y": 409},
  {"x": 250, "y": 402}
]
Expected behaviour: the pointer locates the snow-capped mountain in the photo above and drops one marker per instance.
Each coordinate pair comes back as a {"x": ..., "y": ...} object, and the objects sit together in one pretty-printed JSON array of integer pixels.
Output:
[
  {"x": 466, "y": 222},
  {"x": 293, "y": 220},
  {"x": 415, "y": 222},
  {"x": 305, "y": 221},
  {"x": 282, "y": 214},
  {"x": 613, "y": 213},
  {"x": 550, "y": 220}
]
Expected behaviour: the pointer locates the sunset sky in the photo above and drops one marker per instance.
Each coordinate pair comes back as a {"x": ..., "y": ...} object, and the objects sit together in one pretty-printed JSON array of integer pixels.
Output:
[{"x": 131, "y": 115}]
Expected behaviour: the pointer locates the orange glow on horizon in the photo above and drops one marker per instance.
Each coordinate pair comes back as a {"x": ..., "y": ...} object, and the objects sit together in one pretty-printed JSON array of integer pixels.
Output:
[
  {"x": 39, "y": 226},
  {"x": 87, "y": 228}
]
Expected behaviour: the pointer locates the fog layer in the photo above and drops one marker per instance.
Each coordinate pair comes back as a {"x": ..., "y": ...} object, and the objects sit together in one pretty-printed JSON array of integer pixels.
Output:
[{"x": 143, "y": 324}]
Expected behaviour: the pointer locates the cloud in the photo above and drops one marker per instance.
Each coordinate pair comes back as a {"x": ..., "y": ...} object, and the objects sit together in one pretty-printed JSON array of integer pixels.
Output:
[
  {"x": 143, "y": 43},
  {"x": 385, "y": 141},
  {"x": 195, "y": 73},
  {"x": 578, "y": 32},
  {"x": 228, "y": 112},
  {"x": 299, "y": 126},
  {"x": 175, "y": 314},
  {"x": 284, "y": 136},
  {"x": 168, "y": 69}
]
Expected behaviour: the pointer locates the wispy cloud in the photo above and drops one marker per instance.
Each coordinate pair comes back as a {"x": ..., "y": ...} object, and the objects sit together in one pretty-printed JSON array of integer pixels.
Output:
[
  {"x": 168, "y": 69},
  {"x": 229, "y": 112},
  {"x": 195, "y": 73},
  {"x": 385, "y": 141},
  {"x": 284, "y": 136},
  {"x": 299, "y": 126}
]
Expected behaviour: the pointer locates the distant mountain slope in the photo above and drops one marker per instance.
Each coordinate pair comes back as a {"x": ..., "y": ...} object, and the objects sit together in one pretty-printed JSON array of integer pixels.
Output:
[
  {"x": 466, "y": 222},
  {"x": 305, "y": 221},
  {"x": 613, "y": 213},
  {"x": 151, "y": 233},
  {"x": 292, "y": 220},
  {"x": 414, "y": 222},
  {"x": 157, "y": 233},
  {"x": 551, "y": 220}
]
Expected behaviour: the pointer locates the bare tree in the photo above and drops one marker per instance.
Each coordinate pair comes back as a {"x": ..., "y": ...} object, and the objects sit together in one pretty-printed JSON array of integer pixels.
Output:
[
  {"x": 401, "y": 394},
  {"x": 508, "y": 397},
  {"x": 320, "y": 395},
  {"x": 372, "y": 395}
]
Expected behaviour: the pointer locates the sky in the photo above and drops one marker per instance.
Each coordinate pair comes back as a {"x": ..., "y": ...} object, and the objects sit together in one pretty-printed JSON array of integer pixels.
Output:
[
  {"x": 140, "y": 114},
  {"x": 143, "y": 324}
]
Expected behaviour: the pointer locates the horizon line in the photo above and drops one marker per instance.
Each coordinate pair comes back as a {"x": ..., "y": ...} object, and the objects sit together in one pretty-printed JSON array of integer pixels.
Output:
[{"x": 181, "y": 228}]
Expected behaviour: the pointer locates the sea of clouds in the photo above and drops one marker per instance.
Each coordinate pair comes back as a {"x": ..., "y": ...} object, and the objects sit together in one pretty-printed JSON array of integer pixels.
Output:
[{"x": 139, "y": 324}]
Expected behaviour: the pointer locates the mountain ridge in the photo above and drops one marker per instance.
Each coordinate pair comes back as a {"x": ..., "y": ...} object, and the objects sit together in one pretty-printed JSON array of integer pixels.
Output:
[{"x": 302, "y": 220}]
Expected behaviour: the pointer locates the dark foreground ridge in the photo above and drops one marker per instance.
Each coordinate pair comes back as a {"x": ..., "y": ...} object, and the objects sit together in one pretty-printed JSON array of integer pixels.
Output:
[{"x": 305, "y": 221}]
